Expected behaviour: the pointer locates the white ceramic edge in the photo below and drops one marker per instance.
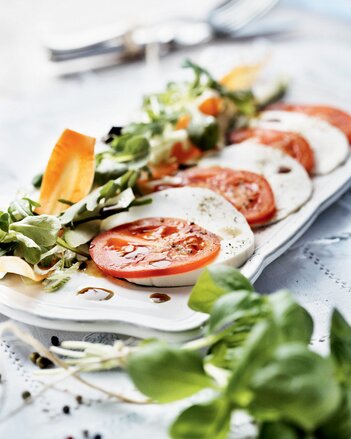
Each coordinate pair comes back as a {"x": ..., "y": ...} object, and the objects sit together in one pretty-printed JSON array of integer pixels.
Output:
[{"x": 191, "y": 327}]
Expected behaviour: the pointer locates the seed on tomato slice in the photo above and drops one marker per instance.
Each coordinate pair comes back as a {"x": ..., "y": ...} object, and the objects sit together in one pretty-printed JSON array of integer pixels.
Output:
[
  {"x": 339, "y": 118},
  {"x": 250, "y": 193},
  {"x": 291, "y": 143},
  {"x": 154, "y": 247}
]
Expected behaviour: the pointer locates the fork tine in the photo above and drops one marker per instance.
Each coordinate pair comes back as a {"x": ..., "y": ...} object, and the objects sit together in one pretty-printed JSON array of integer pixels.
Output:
[{"x": 234, "y": 15}]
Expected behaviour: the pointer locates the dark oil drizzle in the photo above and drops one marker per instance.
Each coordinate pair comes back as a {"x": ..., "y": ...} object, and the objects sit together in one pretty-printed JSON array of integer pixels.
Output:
[
  {"x": 98, "y": 291},
  {"x": 159, "y": 297}
]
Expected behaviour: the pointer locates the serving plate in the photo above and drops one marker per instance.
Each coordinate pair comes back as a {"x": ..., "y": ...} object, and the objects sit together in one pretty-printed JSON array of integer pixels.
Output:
[{"x": 130, "y": 311}]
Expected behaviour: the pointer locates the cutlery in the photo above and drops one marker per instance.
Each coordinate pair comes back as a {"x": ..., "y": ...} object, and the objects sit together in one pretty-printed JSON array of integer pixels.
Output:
[{"x": 226, "y": 20}]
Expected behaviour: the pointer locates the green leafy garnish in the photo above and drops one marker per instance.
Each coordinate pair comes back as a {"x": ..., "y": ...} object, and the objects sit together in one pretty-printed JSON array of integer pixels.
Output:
[
  {"x": 203, "y": 421},
  {"x": 243, "y": 99},
  {"x": 165, "y": 373},
  {"x": 213, "y": 283},
  {"x": 251, "y": 358},
  {"x": 115, "y": 193},
  {"x": 30, "y": 236},
  {"x": 59, "y": 278}
]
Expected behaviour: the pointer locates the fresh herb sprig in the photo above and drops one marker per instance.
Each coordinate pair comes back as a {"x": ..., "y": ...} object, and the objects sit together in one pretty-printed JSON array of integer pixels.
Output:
[
  {"x": 25, "y": 234},
  {"x": 254, "y": 357},
  {"x": 55, "y": 245},
  {"x": 244, "y": 100},
  {"x": 132, "y": 144}
]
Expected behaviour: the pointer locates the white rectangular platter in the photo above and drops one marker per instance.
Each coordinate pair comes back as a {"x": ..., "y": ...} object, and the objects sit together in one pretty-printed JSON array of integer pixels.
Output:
[{"x": 130, "y": 311}]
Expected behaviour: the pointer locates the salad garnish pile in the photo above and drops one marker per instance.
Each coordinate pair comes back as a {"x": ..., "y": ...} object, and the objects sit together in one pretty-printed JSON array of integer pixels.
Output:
[{"x": 45, "y": 238}]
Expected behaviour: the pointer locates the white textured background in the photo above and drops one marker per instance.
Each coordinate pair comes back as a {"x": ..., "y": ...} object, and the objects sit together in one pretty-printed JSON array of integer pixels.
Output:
[{"x": 36, "y": 104}]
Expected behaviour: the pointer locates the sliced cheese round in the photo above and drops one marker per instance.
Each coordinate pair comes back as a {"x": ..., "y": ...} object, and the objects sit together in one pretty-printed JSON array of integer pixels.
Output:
[
  {"x": 206, "y": 209},
  {"x": 329, "y": 144},
  {"x": 289, "y": 181}
]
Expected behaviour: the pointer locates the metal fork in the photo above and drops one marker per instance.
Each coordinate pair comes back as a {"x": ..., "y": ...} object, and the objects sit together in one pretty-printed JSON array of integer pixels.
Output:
[
  {"x": 225, "y": 20},
  {"x": 232, "y": 15}
]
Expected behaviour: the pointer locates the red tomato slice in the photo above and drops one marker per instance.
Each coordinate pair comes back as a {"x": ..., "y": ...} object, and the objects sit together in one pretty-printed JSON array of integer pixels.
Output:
[
  {"x": 250, "y": 193},
  {"x": 340, "y": 119},
  {"x": 154, "y": 247},
  {"x": 163, "y": 169},
  {"x": 183, "y": 154},
  {"x": 291, "y": 143}
]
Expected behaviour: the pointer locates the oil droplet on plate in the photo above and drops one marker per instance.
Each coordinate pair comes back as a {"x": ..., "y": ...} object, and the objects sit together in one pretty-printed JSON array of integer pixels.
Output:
[
  {"x": 159, "y": 297},
  {"x": 95, "y": 293}
]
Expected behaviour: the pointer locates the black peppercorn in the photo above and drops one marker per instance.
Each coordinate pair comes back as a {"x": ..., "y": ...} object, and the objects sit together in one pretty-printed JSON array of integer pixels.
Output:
[
  {"x": 83, "y": 265},
  {"x": 26, "y": 395},
  {"x": 98, "y": 436},
  {"x": 43, "y": 362},
  {"x": 33, "y": 357},
  {"x": 66, "y": 410},
  {"x": 55, "y": 340}
]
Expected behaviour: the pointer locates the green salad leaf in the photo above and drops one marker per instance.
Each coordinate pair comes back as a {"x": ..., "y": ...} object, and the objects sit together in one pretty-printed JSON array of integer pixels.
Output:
[
  {"x": 232, "y": 307},
  {"x": 255, "y": 352},
  {"x": 21, "y": 208},
  {"x": 279, "y": 430},
  {"x": 166, "y": 373},
  {"x": 203, "y": 421},
  {"x": 4, "y": 221},
  {"x": 115, "y": 193},
  {"x": 214, "y": 282},
  {"x": 338, "y": 425},
  {"x": 205, "y": 135},
  {"x": 289, "y": 387},
  {"x": 244, "y": 100},
  {"x": 42, "y": 229},
  {"x": 28, "y": 237},
  {"x": 340, "y": 345},
  {"x": 292, "y": 319},
  {"x": 25, "y": 248},
  {"x": 59, "y": 278}
]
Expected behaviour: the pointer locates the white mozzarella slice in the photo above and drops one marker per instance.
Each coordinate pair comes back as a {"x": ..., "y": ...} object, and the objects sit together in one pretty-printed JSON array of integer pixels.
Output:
[
  {"x": 289, "y": 181},
  {"x": 329, "y": 144},
  {"x": 206, "y": 209}
]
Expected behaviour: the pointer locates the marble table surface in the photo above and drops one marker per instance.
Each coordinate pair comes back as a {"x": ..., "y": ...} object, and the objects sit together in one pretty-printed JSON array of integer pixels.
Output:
[{"x": 35, "y": 107}]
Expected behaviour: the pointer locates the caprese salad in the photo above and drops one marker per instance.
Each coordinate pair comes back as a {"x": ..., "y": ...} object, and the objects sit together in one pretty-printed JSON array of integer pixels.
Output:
[{"x": 182, "y": 187}]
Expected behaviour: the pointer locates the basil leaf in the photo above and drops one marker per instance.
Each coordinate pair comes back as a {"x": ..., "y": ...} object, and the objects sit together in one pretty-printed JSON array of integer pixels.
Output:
[
  {"x": 233, "y": 306},
  {"x": 293, "y": 320},
  {"x": 167, "y": 373},
  {"x": 340, "y": 344},
  {"x": 338, "y": 426},
  {"x": 42, "y": 229},
  {"x": 297, "y": 385},
  {"x": 214, "y": 282},
  {"x": 256, "y": 351},
  {"x": 204, "y": 137},
  {"x": 203, "y": 421},
  {"x": 279, "y": 430}
]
